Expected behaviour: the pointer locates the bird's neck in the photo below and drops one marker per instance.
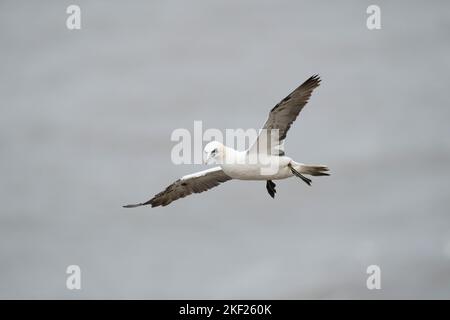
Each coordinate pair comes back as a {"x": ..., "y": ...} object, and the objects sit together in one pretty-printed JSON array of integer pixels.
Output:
[{"x": 231, "y": 155}]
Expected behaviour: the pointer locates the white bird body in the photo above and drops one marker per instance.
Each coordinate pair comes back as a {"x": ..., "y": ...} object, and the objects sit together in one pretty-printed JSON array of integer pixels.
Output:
[
  {"x": 265, "y": 160},
  {"x": 242, "y": 166}
]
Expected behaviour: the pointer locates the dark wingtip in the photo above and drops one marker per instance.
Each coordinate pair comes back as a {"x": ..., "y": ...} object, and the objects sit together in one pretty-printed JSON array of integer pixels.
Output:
[
  {"x": 151, "y": 201},
  {"x": 132, "y": 205},
  {"x": 315, "y": 78}
]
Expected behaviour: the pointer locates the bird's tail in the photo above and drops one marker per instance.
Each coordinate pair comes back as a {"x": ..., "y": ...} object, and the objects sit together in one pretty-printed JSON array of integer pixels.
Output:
[{"x": 314, "y": 170}]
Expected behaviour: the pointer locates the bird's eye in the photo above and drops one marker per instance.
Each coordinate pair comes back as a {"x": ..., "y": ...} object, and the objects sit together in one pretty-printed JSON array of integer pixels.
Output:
[{"x": 214, "y": 152}]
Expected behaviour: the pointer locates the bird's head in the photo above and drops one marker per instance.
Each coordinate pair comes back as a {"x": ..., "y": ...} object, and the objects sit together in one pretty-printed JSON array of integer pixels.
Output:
[{"x": 214, "y": 152}]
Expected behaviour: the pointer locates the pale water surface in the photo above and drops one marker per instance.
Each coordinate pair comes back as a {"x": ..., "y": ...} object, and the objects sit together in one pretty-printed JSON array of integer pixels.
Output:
[{"x": 85, "y": 124}]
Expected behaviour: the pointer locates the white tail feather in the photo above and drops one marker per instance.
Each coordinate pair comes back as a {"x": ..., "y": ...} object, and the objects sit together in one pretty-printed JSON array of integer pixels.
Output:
[{"x": 314, "y": 170}]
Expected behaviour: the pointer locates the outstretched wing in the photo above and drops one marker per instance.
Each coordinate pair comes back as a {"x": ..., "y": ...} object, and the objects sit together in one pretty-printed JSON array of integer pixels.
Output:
[
  {"x": 281, "y": 117},
  {"x": 193, "y": 183}
]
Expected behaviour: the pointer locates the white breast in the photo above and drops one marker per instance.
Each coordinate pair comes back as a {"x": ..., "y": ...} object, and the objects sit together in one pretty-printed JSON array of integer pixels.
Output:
[{"x": 238, "y": 166}]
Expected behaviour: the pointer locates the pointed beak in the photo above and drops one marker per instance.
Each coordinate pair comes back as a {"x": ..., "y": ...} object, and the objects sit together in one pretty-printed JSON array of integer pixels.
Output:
[{"x": 207, "y": 158}]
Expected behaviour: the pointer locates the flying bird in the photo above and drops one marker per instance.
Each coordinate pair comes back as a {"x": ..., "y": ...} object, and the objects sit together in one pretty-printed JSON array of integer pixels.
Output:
[{"x": 265, "y": 160}]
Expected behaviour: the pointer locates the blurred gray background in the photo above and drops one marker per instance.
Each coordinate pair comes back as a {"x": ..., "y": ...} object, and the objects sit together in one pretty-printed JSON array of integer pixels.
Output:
[{"x": 85, "y": 125}]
